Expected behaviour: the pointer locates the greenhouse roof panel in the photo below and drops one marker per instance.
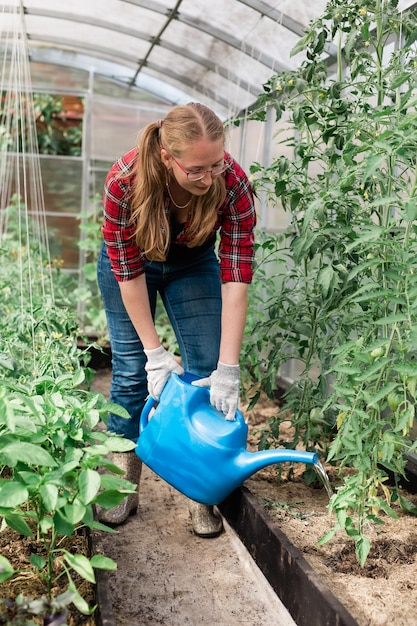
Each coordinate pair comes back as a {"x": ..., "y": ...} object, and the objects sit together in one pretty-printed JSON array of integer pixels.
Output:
[{"x": 218, "y": 52}]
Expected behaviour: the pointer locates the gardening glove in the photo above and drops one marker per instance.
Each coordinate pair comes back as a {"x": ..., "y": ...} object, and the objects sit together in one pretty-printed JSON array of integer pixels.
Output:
[
  {"x": 224, "y": 385},
  {"x": 159, "y": 367}
]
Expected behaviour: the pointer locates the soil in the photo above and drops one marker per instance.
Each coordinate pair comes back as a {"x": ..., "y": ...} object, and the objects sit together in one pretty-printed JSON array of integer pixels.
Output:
[
  {"x": 382, "y": 593},
  {"x": 18, "y": 550}
]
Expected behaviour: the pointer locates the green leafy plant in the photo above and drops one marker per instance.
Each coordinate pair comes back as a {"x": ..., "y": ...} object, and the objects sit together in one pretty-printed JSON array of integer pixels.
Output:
[
  {"x": 256, "y": 344},
  {"x": 346, "y": 306},
  {"x": 282, "y": 510},
  {"x": 24, "y": 609},
  {"x": 54, "y": 465},
  {"x": 51, "y": 454},
  {"x": 86, "y": 295},
  {"x": 55, "y": 133}
]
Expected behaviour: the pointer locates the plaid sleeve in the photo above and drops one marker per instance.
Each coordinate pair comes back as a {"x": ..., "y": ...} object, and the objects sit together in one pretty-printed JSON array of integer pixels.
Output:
[
  {"x": 127, "y": 260},
  {"x": 236, "y": 248}
]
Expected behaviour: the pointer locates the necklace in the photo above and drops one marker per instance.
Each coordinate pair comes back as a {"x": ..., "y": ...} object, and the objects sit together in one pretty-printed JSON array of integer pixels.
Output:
[{"x": 173, "y": 201}]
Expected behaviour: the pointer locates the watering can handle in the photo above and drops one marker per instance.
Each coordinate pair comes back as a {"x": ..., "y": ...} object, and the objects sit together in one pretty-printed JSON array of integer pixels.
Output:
[
  {"x": 150, "y": 403},
  {"x": 144, "y": 417}
]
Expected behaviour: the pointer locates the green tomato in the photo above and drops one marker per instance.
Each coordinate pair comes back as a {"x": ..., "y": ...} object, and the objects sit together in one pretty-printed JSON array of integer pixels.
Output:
[
  {"x": 394, "y": 401},
  {"x": 377, "y": 352},
  {"x": 316, "y": 416}
]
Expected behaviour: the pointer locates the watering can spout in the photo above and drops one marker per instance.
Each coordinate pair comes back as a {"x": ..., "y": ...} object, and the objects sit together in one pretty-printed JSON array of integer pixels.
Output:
[{"x": 248, "y": 463}]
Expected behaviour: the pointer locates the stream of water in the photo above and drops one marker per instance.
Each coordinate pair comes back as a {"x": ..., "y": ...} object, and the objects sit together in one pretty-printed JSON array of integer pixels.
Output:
[{"x": 320, "y": 471}]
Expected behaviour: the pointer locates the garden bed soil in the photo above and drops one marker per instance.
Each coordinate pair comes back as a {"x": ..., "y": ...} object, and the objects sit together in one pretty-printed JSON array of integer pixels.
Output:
[{"x": 18, "y": 550}]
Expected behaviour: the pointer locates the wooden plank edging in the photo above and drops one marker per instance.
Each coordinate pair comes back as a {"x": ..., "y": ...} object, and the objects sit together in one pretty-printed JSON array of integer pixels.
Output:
[
  {"x": 104, "y": 615},
  {"x": 308, "y": 600}
]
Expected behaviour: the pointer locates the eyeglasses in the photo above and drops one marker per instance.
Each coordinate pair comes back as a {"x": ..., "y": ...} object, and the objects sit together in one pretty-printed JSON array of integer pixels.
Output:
[{"x": 200, "y": 174}]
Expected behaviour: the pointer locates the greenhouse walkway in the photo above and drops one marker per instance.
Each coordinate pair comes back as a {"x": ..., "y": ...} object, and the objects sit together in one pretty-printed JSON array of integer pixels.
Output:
[{"x": 166, "y": 575}]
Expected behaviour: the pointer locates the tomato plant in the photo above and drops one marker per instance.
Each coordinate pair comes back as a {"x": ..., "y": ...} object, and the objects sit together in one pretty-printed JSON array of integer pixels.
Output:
[{"x": 345, "y": 306}]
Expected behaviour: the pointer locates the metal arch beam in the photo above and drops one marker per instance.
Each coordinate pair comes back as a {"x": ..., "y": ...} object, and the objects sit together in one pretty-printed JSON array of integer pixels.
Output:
[
  {"x": 283, "y": 19},
  {"x": 155, "y": 40},
  {"x": 275, "y": 15},
  {"x": 74, "y": 17},
  {"x": 202, "y": 26},
  {"x": 214, "y": 67},
  {"x": 101, "y": 52},
  {"x": 257, "y": 5},
  {"x": 292, "y": 25},
  {"x": 234, "y": 42},
  {"x": 188, "y": 54},
  {"x": 150, "y": 5},
  {"x": 194, "y": 86},
  {"x": 111, "y": 70},
  {"x": 217, "y": 33},
  {"x": 105, "y": 53}
]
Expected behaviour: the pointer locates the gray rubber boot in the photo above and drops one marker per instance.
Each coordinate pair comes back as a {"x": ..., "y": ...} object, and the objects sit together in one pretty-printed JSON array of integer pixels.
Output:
[
  {"x": 205, "y": 522},
  {"x": 131, "y": 464}
]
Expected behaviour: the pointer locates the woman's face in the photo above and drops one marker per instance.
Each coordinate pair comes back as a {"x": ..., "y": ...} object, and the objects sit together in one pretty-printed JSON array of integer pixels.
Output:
[{"x": 198, "y": 158}]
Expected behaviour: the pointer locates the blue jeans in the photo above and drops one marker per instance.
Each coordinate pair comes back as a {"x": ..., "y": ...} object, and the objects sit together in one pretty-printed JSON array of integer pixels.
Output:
[{"x": 191, "y": 294}]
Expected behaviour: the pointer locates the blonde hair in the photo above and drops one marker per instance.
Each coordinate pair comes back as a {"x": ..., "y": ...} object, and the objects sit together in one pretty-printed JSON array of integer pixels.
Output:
[{"x": 183, "y": 125}]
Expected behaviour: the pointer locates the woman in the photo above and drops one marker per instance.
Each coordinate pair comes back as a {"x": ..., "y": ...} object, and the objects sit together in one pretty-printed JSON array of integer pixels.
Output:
[{"x": 164, "y": 201}]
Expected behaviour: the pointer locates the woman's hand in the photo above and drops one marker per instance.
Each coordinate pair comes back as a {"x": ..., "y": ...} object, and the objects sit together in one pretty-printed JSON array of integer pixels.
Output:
[
  {"x": 159, "y": 367},
  {"x": 224, "y": 385}
]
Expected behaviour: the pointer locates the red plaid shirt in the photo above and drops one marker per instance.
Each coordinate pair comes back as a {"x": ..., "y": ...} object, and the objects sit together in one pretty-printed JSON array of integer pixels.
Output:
[{"x": 236, "y": 219}]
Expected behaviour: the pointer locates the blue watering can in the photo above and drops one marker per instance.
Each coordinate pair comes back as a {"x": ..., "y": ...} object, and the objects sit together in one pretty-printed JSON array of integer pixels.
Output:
[{"x": 190, "y": 444}]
